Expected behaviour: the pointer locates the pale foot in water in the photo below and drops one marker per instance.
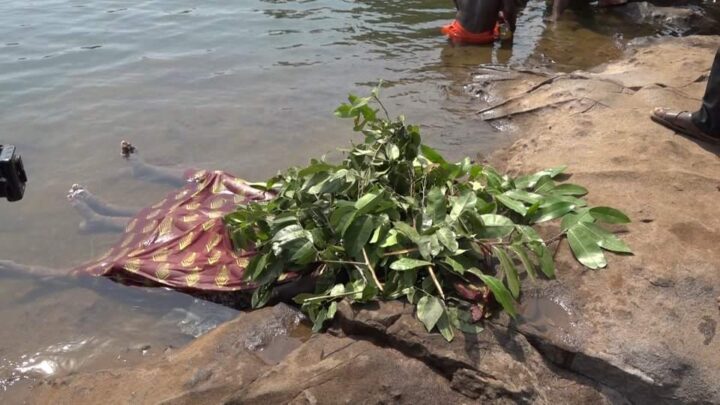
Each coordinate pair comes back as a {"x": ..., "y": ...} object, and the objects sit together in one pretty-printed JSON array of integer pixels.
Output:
[
  {"x": 78, "y": 192},
  {"x": 9, "y": 266},
  {"x": 92, "y": 221}
]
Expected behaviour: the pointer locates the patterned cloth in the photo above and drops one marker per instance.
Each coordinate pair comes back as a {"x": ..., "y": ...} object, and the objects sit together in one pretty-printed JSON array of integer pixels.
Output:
[{"x": 181, "y": 242}]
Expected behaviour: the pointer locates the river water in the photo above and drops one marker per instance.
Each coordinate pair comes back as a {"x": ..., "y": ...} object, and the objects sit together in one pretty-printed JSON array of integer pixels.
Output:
[{"x": 246, "y": 86}]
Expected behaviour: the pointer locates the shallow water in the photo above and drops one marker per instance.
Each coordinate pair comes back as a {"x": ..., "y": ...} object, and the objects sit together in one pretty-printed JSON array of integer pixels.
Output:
[{"x": 246, "y": 86}]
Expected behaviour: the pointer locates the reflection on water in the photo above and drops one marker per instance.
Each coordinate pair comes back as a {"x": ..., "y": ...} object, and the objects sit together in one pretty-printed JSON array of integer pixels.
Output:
[
  {"x": 54, "y": 328},
  {"x": 245, "y": 85}
]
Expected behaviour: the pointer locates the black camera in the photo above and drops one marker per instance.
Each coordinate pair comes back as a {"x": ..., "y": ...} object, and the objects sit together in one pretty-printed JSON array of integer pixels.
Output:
[{"x": 12, "y": 174}]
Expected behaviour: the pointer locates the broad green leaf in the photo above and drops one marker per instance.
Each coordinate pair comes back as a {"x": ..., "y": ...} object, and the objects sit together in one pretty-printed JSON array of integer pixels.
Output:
[
  {"x": 429, "y": 310},
  {"x": 547, "y": 264},
  {"x": 495, "y": 226},
  {"x": 256, "y": 266},
  {"x": 528, "y": 233},
  {"x": 462, "y": 203},
  {"x": 514, "y": 205},
  {"x": 585, "y": 247},
  {"x": 377, "y": 233},
  {"x": 530, "y": 181},
  {"x": 605, "y": 239},
  {"x": 445, "y": 327},
  {"x": 332, "y": 309},
  {"x": 305, "y": 254},
  {"x": 392, "y": 151},
  {"x": 570, "y": 219},
  {"x": 520, "y": 252},
  {"x": 462, "y": 320},
  {"x": 290, "y": 233},
  {"x": 569, "y": 189},
  {"x": 552, "y": 211},
  {"x": 456, "y": 266},
  {"x": 448, "y": 239},
  {"x": 501, "y": 294},
  {"x": 544, "y": 185},
  {"x": 436, "y": 209},
  {"x": 524, "y": 196},
  {"x": 357, "y": 235},
  {"x": 390, "y": 239},
  {"x": 509, "y": 269},
  {"x": 261, "y": 296},
  {"x": 609, "y": 215},
  {"x": 319, "y": 320},
  {"x": 367, "y": 202},
  {"x": 408, "y": 264},
  {"x": 341, "y": 218},
  {"x": 408, "y": 231},
  {"x": 431, "y": 154}
]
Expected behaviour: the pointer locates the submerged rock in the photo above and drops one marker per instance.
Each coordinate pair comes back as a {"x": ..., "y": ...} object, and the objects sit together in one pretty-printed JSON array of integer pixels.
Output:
[{"x": 676, "y": 20}]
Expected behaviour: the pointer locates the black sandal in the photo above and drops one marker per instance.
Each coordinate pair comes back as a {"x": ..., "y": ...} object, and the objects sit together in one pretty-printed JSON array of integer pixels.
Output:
[{"x": 682, "y": 123}]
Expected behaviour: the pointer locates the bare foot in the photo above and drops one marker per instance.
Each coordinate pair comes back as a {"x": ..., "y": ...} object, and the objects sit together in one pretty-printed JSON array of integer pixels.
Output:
[
  {"x": 127, "y": 149},
  {"x": 79, "y": 192},
  {"x": 17, "y": 269},
  {"x": 92, "y": 221},
  {"x": 9, "y": 266}
]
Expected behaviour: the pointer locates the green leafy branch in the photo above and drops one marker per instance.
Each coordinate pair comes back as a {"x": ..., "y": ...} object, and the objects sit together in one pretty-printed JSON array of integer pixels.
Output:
[{"x": 395, "y": 220}]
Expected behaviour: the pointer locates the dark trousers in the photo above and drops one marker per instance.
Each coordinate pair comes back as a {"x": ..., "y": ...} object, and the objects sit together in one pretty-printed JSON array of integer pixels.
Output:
[{"x": 708, "y": 117}]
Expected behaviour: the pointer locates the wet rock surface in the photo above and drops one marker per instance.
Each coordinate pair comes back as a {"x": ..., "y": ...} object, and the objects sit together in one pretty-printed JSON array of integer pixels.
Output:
[
  {"x": 207, "y": 370},
  {"x": 341, "y": 370},
  {"x": 680, "y": 19},
  {"x": 641, "y": 331}
]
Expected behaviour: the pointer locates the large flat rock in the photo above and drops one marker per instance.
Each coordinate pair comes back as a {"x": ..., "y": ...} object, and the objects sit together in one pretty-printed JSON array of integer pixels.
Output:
[
  {"x": 646, "y": 325},
  {"x": 337, "y": 370},
  {"x": 210, "y": 368},
  {"x": 497, "y": 365}
]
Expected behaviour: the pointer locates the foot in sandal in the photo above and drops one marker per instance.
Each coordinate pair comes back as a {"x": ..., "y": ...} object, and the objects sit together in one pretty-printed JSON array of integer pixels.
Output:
[{"x": 682, "y": 123}]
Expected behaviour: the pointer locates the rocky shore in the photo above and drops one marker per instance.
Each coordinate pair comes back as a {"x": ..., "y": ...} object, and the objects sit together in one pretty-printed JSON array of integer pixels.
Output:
[{"x": 641, "y": 331}]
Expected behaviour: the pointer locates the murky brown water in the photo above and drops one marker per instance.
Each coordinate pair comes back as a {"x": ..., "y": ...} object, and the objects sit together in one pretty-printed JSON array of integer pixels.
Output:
[{"x": 246, "y": 86}]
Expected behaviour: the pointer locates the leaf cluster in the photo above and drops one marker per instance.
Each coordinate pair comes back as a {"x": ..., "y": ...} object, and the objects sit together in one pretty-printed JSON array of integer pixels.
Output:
[{"x": 395, "y": 220}]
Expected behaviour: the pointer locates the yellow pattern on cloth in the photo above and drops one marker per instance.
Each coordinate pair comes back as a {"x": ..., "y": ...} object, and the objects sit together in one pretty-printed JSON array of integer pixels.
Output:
[{"x": 181, "y": 242}]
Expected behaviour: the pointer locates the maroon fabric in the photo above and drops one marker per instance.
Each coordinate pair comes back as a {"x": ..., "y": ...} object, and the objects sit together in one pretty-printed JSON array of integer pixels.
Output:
[{"x": 182, "y": 242}]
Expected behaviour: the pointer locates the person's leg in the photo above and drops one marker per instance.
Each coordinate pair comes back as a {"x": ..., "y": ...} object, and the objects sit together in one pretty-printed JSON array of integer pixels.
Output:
[
  {"x": 145, "y": 171},
  {"x": 10, "y": 267},
  {"x": 78, "y": 192},
  {"x": 478, "y": 16},
  {"x": 703, "y": 124},
  {"x": 94, "y": 222},
  {"x": 558, "y": 7},
  {"x": 708, "y": 117}
]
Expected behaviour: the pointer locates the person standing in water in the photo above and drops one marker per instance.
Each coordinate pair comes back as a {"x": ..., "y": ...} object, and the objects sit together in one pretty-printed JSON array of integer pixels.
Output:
[{"x": 479, "y": 21}]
